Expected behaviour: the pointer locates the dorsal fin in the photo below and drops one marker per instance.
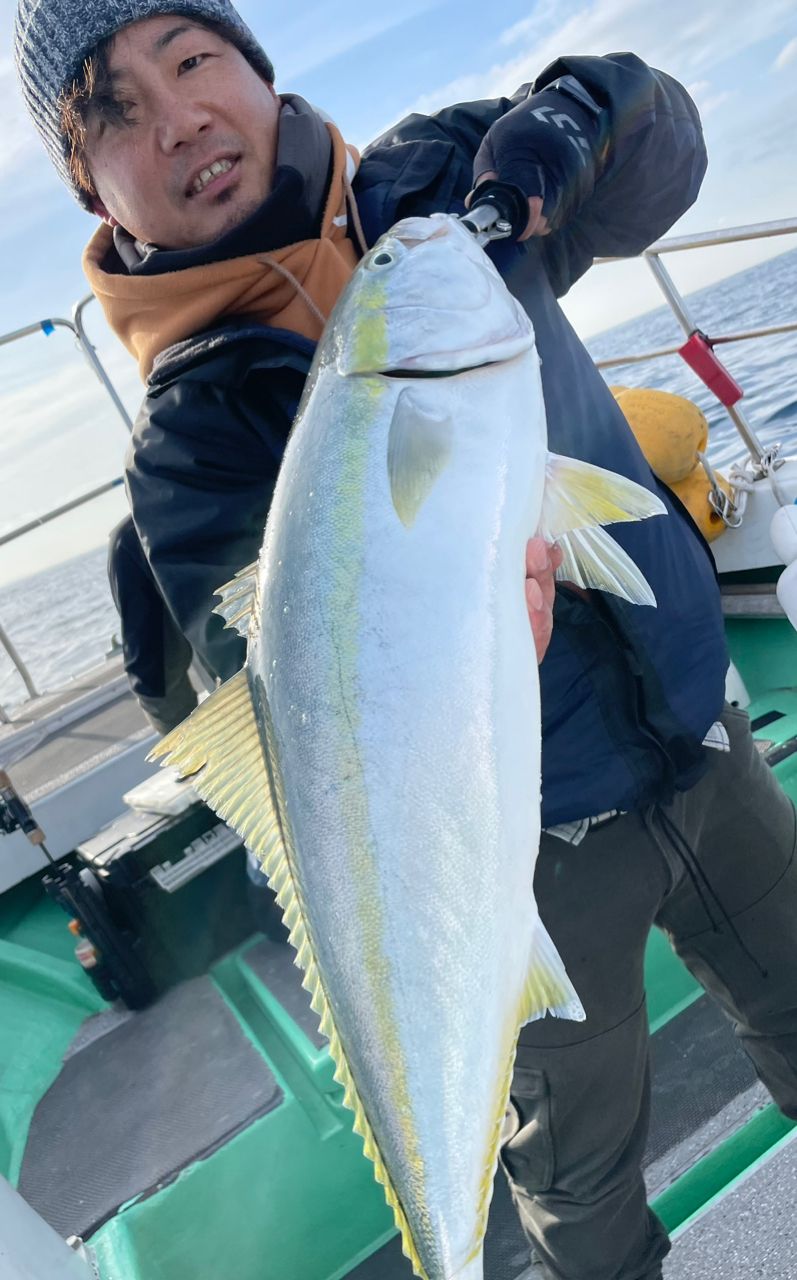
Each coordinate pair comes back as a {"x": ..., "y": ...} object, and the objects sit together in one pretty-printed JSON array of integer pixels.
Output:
[
  {"x": 221, "y": 748},
  {"x": 239, "y": 599}
]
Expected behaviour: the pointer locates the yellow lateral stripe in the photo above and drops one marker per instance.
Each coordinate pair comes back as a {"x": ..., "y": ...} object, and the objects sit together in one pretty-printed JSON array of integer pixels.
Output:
[{"x": 221, "y": 748}]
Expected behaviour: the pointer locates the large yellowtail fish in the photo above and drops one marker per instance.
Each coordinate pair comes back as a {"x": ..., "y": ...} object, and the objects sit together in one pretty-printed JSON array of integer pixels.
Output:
[{"x": 380, "y": 751}]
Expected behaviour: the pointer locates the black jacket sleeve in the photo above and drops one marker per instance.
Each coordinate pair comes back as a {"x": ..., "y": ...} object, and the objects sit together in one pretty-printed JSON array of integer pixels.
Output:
[
  {"x": 200, "y": 475},
  {"x": 652, "y": 172}
]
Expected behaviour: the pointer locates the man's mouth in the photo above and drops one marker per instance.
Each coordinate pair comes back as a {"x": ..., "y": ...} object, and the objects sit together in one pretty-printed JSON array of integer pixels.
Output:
[{"x": 210, "y": 175}]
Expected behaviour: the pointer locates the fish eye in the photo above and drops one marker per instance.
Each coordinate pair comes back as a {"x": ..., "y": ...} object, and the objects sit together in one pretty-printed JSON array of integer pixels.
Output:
[{"x": 382, "y": 259}]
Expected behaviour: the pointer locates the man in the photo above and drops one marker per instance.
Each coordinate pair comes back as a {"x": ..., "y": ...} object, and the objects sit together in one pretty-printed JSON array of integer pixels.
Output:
[{"x": 232, "y": 219}]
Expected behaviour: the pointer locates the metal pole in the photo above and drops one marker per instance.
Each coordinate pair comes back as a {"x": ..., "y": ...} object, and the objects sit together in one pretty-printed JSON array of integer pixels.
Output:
[
  {"x": 59, "y": 511},
  {"x": 5, "y": 641},
  {"x": 94, "y": 360},
  {"x": 41, "y": 326},
  {"x": 729, "y": 235},
  {"x": 678, "y": 306}
]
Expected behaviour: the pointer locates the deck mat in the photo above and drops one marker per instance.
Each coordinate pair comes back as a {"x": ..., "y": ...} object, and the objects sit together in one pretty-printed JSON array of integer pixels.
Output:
[
  {"x": 134, "y": 1107},
  {"x": 750, "y": 1232},
  {"x": 699, "y": 1068}
]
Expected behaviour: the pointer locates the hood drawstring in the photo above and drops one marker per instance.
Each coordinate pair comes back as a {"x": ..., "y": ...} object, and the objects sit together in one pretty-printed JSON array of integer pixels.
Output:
[
  {"x": 355, "y": 213},
  {"x": 301, "y": 292},
  {"x": 288, "y": 275},
  {"x": 702, "y": 885}
]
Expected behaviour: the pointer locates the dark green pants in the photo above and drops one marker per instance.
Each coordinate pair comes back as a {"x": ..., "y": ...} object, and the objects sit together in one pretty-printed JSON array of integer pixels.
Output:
[{"x": 580, "y": 1098}]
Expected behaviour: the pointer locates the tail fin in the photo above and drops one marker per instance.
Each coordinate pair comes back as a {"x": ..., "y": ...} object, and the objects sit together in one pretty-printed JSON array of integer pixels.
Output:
[
  {"x": 578, "y": 499},
  {"x": 592, "y": 558}
]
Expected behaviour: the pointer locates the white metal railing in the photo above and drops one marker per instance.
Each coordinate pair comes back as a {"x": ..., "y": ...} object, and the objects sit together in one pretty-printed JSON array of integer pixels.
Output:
[
  {"x": 77, "y": 328},
  {"x": 704, "y": 240}
]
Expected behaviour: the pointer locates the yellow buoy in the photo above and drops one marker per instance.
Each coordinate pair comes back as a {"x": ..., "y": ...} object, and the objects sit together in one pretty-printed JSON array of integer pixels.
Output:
[
  {"x": 670, "y": 429},
  {"x": 693, "y": 492}
]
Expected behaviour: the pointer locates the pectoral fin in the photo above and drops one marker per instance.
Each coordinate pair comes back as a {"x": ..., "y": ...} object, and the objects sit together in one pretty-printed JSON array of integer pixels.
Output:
[
  {"x": 418, "y": 449},
  {"x": 579, "y": 498}
]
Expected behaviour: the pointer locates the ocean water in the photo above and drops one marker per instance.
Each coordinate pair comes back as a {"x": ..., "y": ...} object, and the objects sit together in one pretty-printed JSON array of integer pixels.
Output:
[{"x": 62, "y": 620}]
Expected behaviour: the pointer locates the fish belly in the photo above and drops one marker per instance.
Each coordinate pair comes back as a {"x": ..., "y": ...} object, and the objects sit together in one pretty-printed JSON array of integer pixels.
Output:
[{"x": 399, "y": 671}]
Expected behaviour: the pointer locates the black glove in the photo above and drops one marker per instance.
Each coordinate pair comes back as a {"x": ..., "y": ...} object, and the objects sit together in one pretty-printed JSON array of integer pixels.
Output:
[{"x": 549, "y": 146}]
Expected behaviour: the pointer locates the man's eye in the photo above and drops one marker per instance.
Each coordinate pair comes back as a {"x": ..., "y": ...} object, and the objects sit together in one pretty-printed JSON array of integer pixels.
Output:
[
  {"x": 188, "y": 64},
  {"x": 114, "y": 112}
]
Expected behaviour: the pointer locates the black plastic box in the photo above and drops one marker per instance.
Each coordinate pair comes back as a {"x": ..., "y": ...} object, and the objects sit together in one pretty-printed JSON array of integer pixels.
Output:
[{"x": 174, "y": 886}]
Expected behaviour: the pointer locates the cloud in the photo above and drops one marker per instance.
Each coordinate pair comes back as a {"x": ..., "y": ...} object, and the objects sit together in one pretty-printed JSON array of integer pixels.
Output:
[
  {"x": 787, "y": 54},
  {"x": 686, "y": 45},
  {"x": 707, "y": 99},
  {"x": 302, "y": 38}
]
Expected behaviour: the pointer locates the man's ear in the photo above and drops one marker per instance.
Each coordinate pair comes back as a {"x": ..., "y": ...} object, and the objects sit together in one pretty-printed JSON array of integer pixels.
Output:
[{"x": 99, "y": 208}]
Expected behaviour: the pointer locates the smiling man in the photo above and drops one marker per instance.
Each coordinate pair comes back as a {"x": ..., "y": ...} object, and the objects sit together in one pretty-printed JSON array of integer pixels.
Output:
[
  {"x": 232, "y": 217},
  {"x": 136, "y": 108}
]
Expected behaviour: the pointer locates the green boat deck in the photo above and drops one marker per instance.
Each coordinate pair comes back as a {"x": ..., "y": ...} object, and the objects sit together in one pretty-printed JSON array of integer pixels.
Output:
[{"x": 285, "y": 1193}]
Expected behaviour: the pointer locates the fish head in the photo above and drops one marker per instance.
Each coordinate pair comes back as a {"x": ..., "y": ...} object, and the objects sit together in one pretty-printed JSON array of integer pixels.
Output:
[{"x": 427, "y": 299}]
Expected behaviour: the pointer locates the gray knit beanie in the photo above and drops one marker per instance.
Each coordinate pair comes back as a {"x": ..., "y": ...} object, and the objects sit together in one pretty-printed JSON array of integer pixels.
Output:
[{"x": 52, "y": 38}]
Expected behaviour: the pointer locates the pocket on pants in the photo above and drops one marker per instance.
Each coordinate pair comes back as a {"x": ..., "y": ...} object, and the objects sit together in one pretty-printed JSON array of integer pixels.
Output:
[{"x": 528, "y": 1153}]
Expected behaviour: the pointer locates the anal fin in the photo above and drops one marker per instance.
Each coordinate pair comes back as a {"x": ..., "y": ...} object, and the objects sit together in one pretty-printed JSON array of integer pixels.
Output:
[{"x": 548, "y": 988}]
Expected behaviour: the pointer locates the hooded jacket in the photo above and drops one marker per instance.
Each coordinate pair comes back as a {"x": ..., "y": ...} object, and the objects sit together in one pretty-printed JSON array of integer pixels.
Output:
[{"x": 628, "y": 692}]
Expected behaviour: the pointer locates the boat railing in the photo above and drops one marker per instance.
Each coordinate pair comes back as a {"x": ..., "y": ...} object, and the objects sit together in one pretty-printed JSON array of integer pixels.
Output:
[
  {"x": 703, "y": 240},
  {"x": 77, "y": 328},
  {"x": 652, "y": 256}
]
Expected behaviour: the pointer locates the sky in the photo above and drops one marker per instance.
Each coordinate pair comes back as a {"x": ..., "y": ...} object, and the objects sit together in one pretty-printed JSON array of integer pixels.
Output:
[{"x": 368, "y": 65}]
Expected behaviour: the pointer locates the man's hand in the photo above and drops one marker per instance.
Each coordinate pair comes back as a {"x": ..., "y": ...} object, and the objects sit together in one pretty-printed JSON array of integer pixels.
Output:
[
  {"x": 542, "y": 561},
  {"x": 548, "y": 147}
]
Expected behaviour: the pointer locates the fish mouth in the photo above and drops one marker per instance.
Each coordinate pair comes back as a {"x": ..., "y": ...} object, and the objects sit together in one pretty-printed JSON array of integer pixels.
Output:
[{"x": 401, "y": 374}]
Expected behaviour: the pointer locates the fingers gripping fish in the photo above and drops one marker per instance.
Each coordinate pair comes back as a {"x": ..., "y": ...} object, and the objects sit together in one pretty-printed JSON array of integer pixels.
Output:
[{"x": 380, "y": 751}]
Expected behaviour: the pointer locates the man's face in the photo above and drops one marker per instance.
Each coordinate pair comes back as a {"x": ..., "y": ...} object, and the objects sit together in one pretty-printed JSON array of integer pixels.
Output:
[{"x": 184, "y": 148}]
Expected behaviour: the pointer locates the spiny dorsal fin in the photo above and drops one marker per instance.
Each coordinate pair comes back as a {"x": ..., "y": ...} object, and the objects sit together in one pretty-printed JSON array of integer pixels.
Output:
[
  {"x": 239, "y": 600},
  {"x": 418, "y": 449},
  {"x": 579, "y": 495},
  {"x": 220, "y": 747}
]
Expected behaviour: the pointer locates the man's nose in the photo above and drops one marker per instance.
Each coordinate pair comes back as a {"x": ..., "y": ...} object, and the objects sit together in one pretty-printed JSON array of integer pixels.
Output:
[{"x": 180, "y": 121}]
